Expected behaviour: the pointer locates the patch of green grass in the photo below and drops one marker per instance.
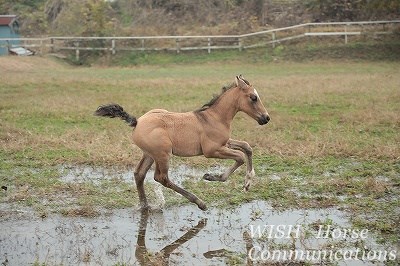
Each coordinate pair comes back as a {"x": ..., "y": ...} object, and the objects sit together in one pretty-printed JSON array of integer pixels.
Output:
[
  {"x": 109, "y": 194},
  {"x": 50, "y": 123},
  {"x": 353, "y": 50},
  {"x": 165, "y": 58},
  {"x": 43, "y": 156}
]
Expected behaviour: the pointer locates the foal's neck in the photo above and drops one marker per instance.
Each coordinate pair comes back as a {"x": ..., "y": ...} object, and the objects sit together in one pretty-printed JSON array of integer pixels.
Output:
[{"x": 226, "y": 107}]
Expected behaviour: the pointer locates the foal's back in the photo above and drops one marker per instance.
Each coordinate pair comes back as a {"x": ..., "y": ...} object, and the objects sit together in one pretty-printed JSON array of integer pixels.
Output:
[{"x": 160, "y": 130}]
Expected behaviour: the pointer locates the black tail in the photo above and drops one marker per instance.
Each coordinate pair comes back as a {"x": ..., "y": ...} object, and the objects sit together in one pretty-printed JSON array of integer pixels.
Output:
[{"x": 115, "y": 110}]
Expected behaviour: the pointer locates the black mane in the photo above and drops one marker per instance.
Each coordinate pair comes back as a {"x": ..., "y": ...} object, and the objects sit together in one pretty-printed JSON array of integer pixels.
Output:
[{"x": 216, "y": 97}]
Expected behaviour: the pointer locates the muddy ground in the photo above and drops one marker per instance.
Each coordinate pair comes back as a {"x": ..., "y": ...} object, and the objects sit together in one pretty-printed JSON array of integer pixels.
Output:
[{"x": 184, "y": 235}]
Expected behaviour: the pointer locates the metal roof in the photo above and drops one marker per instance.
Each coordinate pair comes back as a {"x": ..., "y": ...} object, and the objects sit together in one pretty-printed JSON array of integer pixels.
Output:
[
  {"x": 6, "y": 20},
  {"x": 21, "y": 51}
]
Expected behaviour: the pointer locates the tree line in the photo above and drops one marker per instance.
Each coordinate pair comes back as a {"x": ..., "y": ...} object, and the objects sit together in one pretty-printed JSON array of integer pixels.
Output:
[{"x": 172, "y": 17}]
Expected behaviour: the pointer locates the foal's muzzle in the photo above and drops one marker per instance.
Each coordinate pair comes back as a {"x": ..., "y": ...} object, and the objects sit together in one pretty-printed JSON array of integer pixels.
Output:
[{"x": 264, "y": 119}]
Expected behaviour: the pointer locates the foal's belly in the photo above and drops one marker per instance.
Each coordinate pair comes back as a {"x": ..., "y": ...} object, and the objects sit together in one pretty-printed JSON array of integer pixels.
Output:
[
  {"x": 186, "y": 147},
  {"x": 192, "y": 151},
  {"x": 186, "y": 138}
]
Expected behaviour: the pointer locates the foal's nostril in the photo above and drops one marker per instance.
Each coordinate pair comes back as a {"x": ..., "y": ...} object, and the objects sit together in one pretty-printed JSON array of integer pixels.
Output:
[{"x": 264, "y": 119}]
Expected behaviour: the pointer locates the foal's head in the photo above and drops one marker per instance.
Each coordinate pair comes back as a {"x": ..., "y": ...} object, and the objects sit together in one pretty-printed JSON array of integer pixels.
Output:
[{"x": 250, "y": 102}]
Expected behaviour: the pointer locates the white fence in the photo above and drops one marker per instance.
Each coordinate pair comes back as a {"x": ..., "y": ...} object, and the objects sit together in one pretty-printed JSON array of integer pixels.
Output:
[{"x": 207, "y": 42}]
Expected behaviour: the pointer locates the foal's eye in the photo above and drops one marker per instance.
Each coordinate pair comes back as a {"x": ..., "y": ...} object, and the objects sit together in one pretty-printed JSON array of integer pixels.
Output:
[{"x": 253, "y": 98}]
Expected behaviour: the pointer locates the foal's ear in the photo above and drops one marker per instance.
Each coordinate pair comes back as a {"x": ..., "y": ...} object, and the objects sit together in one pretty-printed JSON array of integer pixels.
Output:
[{"x": 241, "y": 83}]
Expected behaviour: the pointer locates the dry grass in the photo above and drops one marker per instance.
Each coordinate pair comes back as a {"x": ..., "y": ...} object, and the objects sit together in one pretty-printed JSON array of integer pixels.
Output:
[
  {"x": 317, "y": 109},
  {"x": 84, "y": 211}
]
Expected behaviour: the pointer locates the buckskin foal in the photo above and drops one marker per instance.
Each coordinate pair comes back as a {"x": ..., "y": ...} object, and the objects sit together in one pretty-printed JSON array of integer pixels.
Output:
[{"x": 160, "y": 134}]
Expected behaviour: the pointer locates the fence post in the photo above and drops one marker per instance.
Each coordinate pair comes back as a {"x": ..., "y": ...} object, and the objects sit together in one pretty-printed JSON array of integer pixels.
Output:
[
  {"x": 41, "y": 47},
  {"x": 209, "y": 44},
  {"x": 77, "y": 50},
  {"x": 52, "y": 45},
  {"x": 273, "y": 39},
  {"x": 178, "y": 49},
  {"x": 113, "y": 46},
  {"x": 345, "y": 34},
  {"x": 240, "y": 44},
  {"x": 142, "y": 40}
]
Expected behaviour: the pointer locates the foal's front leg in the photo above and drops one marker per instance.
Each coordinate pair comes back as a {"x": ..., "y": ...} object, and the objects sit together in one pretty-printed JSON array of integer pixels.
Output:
[
  {"x": 248, "y": 151},
  {"x": 226, "y": 153}
]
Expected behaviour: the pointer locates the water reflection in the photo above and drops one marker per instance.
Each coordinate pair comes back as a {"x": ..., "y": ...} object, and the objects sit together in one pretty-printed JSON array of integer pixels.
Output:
[
  {"x": 145, "y": 258},
  {"x": 181, "y": 235},
  {"x": 224, "y": 253}
]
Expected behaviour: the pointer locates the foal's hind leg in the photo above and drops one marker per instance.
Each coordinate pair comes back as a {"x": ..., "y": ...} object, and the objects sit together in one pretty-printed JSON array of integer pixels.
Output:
[
  {"x": 140, "y": 173},
  {"x": 161, "y": 176}
]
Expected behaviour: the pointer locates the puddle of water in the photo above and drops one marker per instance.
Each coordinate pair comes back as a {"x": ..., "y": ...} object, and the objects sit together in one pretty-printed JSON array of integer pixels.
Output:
[
  {"x": 180, "y": 236},
  {"x": 177, "y": 174},
  {"x": 80, "y": 174}
]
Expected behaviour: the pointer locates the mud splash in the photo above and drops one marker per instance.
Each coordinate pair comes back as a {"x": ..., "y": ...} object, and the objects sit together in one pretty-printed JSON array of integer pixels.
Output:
[{"x": 177, "y": 236}]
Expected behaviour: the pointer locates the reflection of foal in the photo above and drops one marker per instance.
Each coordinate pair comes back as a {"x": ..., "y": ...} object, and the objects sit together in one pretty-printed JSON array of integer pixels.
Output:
[
  {"x": 160, "y": 134},
  {"x": 162, "y": 257}
]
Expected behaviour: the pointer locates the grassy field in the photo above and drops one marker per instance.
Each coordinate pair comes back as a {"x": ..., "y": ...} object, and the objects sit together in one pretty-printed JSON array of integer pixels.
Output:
[{"x": 333, "y": 139}]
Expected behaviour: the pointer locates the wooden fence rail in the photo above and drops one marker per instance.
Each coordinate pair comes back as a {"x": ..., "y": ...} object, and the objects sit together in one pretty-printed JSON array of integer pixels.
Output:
[{"x": 207, "y": 42}]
